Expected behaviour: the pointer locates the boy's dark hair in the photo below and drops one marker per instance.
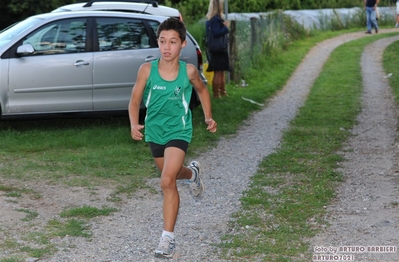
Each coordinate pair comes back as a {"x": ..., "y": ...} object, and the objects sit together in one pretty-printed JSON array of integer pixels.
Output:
[{"x": 173, "y": 24}]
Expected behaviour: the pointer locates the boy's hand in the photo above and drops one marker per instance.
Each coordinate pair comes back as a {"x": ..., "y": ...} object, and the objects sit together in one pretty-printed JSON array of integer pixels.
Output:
[
  {"x": 211, "y": 125},
  {"x": 135, "y": 132}
]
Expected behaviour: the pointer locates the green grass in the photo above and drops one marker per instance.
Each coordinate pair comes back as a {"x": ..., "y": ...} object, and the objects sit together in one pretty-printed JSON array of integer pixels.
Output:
[
  {"x": 284, "y": 204},
  {"x": 72, "y": 227},
  {"x": 87, "y": 212},
  {"x": 390, "y": 62},
  {"x": 30, "y": 215}
]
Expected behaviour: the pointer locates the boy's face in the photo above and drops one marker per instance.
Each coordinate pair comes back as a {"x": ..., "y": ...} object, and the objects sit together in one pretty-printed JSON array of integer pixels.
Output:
[{"x": 170, "y": 44}]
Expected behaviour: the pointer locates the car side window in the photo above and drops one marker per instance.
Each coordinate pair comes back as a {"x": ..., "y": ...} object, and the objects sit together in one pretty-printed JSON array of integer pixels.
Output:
[
  {"x": 121, "y": 34},
  {"x": 64, "y": 36},
  {"x": 154, "y": 26}
]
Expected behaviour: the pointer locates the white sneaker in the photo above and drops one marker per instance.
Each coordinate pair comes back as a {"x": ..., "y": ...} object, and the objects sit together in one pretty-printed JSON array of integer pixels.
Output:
[
  {"x": 166, "y": 247},
  {"x": 397, "y": 25},
  {"x": 197, "y": 186}
]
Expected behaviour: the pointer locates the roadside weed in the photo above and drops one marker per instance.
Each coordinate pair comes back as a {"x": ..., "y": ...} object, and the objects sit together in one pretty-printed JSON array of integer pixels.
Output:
[
  {"x": 73, "y": 227},
  {"x": 87, "y": 212},
  {"x": 30, "y": 215},
  {"x": 390, "y": 59}
]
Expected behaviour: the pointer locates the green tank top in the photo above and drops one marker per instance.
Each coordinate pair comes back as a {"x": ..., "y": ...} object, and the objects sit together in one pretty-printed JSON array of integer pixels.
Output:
[{"x": 168, "y": 115}]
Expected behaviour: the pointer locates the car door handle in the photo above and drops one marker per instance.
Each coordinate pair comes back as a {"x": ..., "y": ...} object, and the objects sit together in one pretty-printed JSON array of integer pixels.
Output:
[
  {"x": 80, "y": 63},
  {"x": 150, "y": 58}
]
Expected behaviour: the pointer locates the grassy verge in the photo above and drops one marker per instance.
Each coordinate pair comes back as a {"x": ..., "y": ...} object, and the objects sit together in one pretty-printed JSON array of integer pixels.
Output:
[
  {"x": 285, "y": 203},
  {"x": 390, "y": 62}
]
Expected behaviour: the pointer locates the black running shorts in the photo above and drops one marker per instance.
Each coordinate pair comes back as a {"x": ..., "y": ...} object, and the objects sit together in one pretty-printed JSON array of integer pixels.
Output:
[{"x": 158, "y": 150}]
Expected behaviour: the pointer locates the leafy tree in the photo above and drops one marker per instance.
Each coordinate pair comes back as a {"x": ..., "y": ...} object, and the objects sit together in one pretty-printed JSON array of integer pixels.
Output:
[{"x": 15, "y": 10}]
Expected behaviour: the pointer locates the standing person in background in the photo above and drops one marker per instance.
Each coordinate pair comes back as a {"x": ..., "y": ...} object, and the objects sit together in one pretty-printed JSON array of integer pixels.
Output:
[
  {"x": 165, "y": 85},
  {"x": 218, "y": 62},
  {"x": 397, "y": 14},
  {"x": 371, "y": 15}
]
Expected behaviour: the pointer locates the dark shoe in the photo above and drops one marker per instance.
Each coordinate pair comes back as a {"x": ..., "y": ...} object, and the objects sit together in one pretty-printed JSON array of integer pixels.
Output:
[
  {"x": 376, "y": 30},
  {"x": 223, "y": 91},
  {"x": 368, "y": 32}
]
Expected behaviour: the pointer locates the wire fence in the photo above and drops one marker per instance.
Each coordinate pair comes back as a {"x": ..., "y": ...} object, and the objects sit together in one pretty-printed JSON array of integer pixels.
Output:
[
  {"x": 262, "y": 35},
  {"x": 267, "y": 34}
]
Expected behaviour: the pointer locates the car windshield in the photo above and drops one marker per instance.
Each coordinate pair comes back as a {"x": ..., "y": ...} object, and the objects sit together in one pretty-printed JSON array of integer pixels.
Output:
[{"x": 10, "y": 33}]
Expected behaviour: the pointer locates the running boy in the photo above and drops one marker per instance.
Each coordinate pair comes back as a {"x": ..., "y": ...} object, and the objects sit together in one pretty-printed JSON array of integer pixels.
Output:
[{"x": 165, "y": 85}]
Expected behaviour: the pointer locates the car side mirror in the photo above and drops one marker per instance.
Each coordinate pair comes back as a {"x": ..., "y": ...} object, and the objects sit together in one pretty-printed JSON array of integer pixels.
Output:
[{"x": 25, "y": 49}]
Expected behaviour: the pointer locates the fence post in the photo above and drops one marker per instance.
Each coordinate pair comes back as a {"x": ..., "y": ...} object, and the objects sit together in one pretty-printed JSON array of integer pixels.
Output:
[
  {"x": 233, "y": 51},
  {"x": 253, "y": 35}
]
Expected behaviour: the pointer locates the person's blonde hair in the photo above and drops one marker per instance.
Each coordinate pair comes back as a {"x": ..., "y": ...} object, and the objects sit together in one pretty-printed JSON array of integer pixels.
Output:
[{"x": 215, "y": 8}]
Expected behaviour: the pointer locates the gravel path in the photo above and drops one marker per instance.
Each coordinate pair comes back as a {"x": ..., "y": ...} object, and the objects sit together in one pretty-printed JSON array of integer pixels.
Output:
[{"x": 132, "y": 233}]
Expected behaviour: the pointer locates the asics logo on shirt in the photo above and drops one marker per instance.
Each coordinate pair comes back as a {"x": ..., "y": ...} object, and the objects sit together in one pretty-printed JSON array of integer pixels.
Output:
[{"x": 156, "y": 87}]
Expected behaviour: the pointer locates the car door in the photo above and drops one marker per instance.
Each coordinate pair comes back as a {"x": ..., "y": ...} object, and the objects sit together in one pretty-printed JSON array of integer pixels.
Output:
[
  {"x": 124, "y": 44},
  {"x": 57, "y": 76}
]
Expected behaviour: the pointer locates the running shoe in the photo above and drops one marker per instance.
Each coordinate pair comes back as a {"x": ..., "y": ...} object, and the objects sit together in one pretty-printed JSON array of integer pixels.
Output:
[
  {"x": 197, "y": 186},
  {"x": 166, "y": 247}
]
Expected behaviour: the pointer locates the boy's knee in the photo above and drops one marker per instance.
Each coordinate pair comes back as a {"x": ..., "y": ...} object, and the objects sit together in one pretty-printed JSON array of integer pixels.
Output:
[{"x": 167, "y": 183}]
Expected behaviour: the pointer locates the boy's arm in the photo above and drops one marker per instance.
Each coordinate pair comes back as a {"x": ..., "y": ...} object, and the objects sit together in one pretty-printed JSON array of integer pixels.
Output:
[
  {"x": 203, "y": 96},
  {"x": 135, "y": 101}
]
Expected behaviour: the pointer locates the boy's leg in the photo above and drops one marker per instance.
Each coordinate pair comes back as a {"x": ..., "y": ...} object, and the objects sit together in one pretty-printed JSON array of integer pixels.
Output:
[{"x": 171, "y": 166}]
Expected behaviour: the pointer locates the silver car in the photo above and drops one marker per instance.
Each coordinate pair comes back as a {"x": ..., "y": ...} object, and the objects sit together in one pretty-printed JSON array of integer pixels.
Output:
[
  {"x": 78, "y": 62},
  {"x": 134, "y": 6}
]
